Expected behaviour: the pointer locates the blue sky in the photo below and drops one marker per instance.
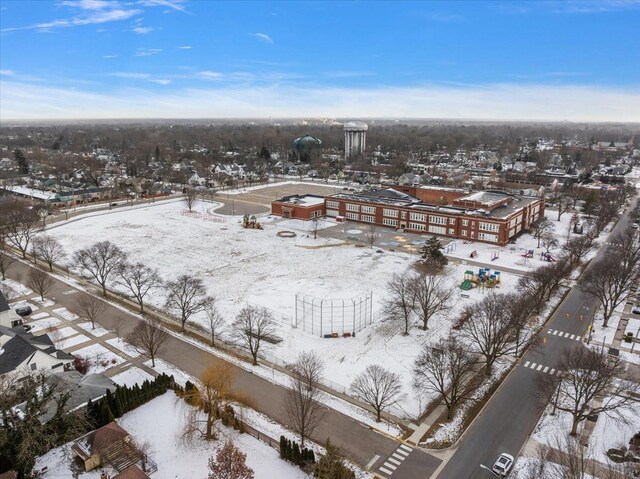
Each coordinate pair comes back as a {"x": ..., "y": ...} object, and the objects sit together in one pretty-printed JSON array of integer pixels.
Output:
[{"x": 573, "y": 60}]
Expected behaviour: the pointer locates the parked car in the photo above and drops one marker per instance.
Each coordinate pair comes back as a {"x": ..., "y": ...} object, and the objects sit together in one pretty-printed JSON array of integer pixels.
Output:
[
  {"x": 635, "y": 309},
  {"x": 503, "y": 465},
  {"x": 24, "y": 311},
  {"x": 27, "y": 327}
]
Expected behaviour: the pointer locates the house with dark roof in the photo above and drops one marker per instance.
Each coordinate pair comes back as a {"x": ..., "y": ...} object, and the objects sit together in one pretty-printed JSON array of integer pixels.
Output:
[
  {"x": 8, "y": 317},
  {"x": 22, "y": 352}
]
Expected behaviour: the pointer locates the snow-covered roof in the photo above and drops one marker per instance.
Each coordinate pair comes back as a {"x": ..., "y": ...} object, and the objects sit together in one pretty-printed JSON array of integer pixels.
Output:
[{"x": 38, "y": 194}]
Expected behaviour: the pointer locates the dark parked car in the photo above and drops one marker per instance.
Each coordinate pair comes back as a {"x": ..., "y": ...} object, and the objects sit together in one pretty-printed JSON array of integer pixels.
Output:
[{"x": 24, "y": 311}]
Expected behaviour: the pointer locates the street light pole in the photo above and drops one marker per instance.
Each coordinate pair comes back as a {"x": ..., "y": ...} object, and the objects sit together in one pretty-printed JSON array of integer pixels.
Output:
[{"x": 482, "y": 466}]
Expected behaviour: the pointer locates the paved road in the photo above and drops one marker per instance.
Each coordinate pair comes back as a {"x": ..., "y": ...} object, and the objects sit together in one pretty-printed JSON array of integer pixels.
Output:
[
  {"x": 359, "y": 442},
  {"x": 510, "y": 416}
]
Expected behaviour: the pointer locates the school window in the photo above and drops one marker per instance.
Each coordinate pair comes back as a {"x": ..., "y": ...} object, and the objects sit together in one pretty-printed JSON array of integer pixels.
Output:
[
  {"x": 439, "y": 230},
  {"x": 463, "y": 232},
  {"x": 452, "y": 221},
  {"x": 352, "y": 207},
  {"x": 334, "y": 205},
  {"x": 368, "y": 218},
  {"x": 404, "y": 215},
  {"x": 368, "y": 209},
  {"x": 438, "y": 220},
  {"x": 390, "y": 213},
  {"x": 332, "y": 213},
  {"x": 416, "y": 226},
  {"x": 465, "y": 222},
  {"x": 488, "y": 237},
  {"x": 389, "y": 222},
  {"x": 315, "y": 214},
  {"x": 352, "y": 216},
  {"x": 489, "y": 226},
  {"x": 417, "y": 217},
  {"x": 452, "y": 231}
]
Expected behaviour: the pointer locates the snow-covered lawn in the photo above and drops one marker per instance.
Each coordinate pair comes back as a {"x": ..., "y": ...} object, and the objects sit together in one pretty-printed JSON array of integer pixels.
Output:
[
  {"x": 96, "y": 331},
  {"x": 66, "y": 314},
  {"x": 123, "y": 346},
  {"x": 44, "y": 324},
  {"x": 68, "y": 343},
  {"x": 22, "y": 304},
  {"x": 174, "y": 457},
  {"x": 44, "y": 303},
  {"x": 42, "y": 315},
  {"x": 131, "y": 376},
  {"x": 100, "y": 358},
  {"x": 610, "y": 433},
  {"x": 17, "y": 288},
  {"x": 64, "y": 333}
]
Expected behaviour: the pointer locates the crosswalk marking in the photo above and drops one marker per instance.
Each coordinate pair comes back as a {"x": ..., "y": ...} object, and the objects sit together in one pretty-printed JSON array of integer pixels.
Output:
[
  {"x": 541, "y": 368},
  {"x": 396, "y": 458},
  {"x": 563, "y": 334}
]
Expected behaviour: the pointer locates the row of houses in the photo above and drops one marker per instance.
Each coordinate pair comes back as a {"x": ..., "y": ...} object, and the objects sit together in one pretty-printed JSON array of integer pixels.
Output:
[{"x": 492, "y": 217}]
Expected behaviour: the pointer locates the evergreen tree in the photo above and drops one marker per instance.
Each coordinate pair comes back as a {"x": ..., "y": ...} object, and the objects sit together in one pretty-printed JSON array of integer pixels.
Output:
[
  {"x": 431, "y": 254},
  {"x": 331, "y": 465},
  {"x": 296, "y": 458},
  {"x": 23, "y": 164},
  {"x": 106, "y": 416}
]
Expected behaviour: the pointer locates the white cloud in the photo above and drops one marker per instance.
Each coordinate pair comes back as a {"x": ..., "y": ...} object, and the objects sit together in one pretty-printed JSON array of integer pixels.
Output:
[
  {"x": 176, "y": 5},
  {"x": 90, "y": 17},
  {"x": 498, "y": 101},
  {"x": 109, "y": 56},
  {"x": 160, "y": 81},
  {"x": 7, "y": 73},
  {"x": 147, "y": 52},
  {"x": 185, "y": 47},
  {"x": 132, "y": 75},
  {"x": 210, "y": 75},
  {"x": 263, "y": 37},
  {"x": 142, "y": 30}
]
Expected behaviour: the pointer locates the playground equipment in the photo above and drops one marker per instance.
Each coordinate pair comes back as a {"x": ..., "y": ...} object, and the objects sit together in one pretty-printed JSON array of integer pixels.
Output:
[
  {"x": 546, "y": 257},
  {"x": 250, "y": 222},
  {"x": 528, "y": 254},
  {"x": 495, "y": 256},
  {"x": 484, "y": 279}
]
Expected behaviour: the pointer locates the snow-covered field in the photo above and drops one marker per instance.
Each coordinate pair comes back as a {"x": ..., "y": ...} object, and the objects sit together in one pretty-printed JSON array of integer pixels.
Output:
[
  {"x": 96, "y": 330},
  {"x": 100, "y": 357},
  {"x": 131, "y": 376},
  {"x": 241, "y": 267},
  {"x": 123, "y": 346},
  {"x": 174, "y": 457}
]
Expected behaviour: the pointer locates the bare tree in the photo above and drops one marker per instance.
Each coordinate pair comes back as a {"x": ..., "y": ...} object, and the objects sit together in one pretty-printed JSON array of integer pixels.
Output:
[
  {"x": 40, "y": 282},
  {"x": 139, "y": 280},
  {"x": 378, "y": 387},
  {"x": 100, "y": 260},
  {"x": 91, "y": 308},
  {"x": 148, "y": 338},
  {"x": 252, "y": 326},
  {"x": 315, "y": 226},
  {"x": 19, "y": 223},
  {"x": 609, "y": 285},
  {"x": 445, "y": 370},
  {"x": 432, "y": 296},
  {"x": 190, "y": 197},
  {"x": 49, "y": 249},
  {"x": 564, "y": 204},
  {"x": 540, "y": 228},
  {"x": 590, "y": 383},
  {"x": 215, "y": 321},
  {"x": 371, "y": 235},
  {"x": 401, "y": 303},
  {"x": 187, "y": 296},
  {"x": 491, "y": 332},
  {"x": 301, "y": 402},
  {"x": 577, "y": 248},
  {"x": 549, "y": 241},
  {"x": 5, "y": 263}
]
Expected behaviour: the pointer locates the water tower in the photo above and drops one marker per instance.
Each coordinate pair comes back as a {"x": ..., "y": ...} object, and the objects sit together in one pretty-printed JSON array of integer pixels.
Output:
[{"x": 355, "y": 138}]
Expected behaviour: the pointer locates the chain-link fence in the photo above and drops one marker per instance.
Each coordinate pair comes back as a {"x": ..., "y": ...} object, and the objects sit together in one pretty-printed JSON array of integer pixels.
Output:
[{"x": 326, "y": 317}]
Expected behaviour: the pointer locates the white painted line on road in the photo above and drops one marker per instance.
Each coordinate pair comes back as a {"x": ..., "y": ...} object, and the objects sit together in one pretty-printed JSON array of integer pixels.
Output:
[
  {"x": 526, "y": 365},
  {"x": 546, "y": 368},
  {"x": 394, "y": 461},
  {"x": 406, "y": 448},
  {"x": 552, "y": 371},
  {"x": 539, "y": 367},
  {"x": 390, "y": 466},
  {"x": 401, "y": 452},
  {"x": 386, "y": 471},
  {"x": 398, "y": 456},
  {"x": 373, "y": 461},
  {"x": 533, "y": 365}
]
